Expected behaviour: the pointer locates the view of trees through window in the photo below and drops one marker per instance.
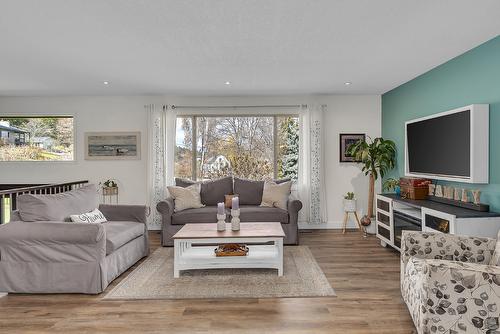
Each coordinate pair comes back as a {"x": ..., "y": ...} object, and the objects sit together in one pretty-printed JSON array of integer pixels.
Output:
[
  {"x": 36, "y": 138},
  {"x": 252, "y": 147}
]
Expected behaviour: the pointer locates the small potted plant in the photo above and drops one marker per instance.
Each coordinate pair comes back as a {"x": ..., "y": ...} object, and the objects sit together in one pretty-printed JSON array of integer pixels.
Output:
[
  {"x": 349, "y": 202},
  {"x": 392, "y": 185},
  {"x": 109, "y": 187}
]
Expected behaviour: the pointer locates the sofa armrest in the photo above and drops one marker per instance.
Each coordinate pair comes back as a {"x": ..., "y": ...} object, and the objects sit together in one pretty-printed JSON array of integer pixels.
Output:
[
  {"x": 135, "y": 213},
  {"x": 27, "y": 233},
  {"x": 429, "y": 245},
  {"x": 294, "y": 205},
  {"x": 166, "y": 207}
]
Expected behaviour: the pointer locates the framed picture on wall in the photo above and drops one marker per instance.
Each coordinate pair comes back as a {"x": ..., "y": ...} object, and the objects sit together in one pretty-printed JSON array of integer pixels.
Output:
[
  {"x": 112, "y": 146},
  {"x": 346, "y": 140}
]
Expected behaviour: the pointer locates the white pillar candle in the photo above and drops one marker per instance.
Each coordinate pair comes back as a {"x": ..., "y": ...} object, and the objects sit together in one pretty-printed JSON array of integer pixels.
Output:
[
  {"x": 221, "y": 209},
  {"x": 235, "y": 205}
]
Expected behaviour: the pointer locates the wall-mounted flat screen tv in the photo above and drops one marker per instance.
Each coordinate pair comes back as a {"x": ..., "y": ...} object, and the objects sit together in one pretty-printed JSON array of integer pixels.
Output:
[{"x": 452, "y": 145}]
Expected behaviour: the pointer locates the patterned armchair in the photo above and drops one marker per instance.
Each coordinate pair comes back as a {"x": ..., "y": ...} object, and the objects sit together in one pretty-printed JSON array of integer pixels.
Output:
[{"x": 450, "y": 283}]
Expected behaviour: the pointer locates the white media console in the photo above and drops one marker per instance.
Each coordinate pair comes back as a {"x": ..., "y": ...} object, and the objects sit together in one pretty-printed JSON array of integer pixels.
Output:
[{"x": 395, "y": 214}]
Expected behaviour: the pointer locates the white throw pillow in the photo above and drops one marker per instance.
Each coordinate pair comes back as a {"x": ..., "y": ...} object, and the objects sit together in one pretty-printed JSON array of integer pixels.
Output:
[
  {"x": 186, "y": 198},
  {"x": 93, "y": 217},
  {"x": 276, "y": 195}
]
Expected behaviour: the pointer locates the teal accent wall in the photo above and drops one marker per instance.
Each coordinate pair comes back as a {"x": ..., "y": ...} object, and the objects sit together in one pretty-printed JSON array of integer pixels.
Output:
[{"x": 473, "y": 77}]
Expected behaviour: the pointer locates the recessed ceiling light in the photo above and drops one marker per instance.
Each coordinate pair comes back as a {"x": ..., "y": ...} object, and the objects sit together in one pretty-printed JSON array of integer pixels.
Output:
[
  {"x": 227, "y": 83},
  {"x": 347, "y": 83},
  {"x": 106, "y": 82}
]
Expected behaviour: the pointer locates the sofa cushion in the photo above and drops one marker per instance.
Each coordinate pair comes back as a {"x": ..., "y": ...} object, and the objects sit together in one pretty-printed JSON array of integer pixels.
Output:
[
  {"x": 118, "y": 233},
  {"x": 213, "y": 192},
  {"x": 57, "y": 207},
  {"x": 263, "y": 214},
  {"x": 183, "y": 182},
  {"x": 250, "y": 191},
  {"x": 207, "y": 214}
]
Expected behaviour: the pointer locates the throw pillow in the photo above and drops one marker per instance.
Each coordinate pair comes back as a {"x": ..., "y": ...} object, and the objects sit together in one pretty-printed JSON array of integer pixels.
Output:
[
  {"x": 186, "y": 198},
  {"x": 276, "y": 195},
  {"x": 93, "y": 217},
  {"x": 57, "y": 207}
]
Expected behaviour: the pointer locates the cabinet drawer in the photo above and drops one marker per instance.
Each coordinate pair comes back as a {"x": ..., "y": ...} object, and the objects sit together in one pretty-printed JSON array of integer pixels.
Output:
[
  {"x": 383, "y": 218},
  {"x": 385, "y": 233},
  {"x": 383, "y": 205}
]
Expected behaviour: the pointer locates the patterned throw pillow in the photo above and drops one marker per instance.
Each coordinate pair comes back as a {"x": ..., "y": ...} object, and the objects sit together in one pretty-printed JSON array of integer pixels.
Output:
[
  {"x": 276, "y": 195},
  {"x": 93, "y": 217},
  {"x": 186, "y": 198},
  {"x": 495, "y": 259}
]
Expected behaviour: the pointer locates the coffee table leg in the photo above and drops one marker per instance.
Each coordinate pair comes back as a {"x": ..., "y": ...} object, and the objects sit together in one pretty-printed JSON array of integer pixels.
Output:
[
  {"x": 177, "y": 245},
  {"x": 279, "y": 244}
]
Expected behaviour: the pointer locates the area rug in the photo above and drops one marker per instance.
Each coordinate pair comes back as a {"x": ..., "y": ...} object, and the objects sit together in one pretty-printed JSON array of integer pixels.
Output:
[{"x": 154, "y": 279}]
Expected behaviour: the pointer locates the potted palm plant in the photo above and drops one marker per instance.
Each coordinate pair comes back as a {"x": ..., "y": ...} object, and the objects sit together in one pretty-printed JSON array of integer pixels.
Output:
[{"x": 377, "y": 157}]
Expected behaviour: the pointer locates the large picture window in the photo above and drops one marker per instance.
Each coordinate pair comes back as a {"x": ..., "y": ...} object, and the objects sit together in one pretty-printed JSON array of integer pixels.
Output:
[
  {"x": 48, "y": 138},
  {"x": 252, "y": 147}
]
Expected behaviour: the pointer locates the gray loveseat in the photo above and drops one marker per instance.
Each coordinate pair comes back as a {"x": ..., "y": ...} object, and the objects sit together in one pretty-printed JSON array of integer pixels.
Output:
[
  {"x": 52, "y": 255},
  {"x": 213, "y": 192}
]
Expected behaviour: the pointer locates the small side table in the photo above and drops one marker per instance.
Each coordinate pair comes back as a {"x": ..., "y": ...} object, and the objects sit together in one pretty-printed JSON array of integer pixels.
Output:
[
  {"x": 108, "y": 193},
  {"x": 346, "y": 219}
]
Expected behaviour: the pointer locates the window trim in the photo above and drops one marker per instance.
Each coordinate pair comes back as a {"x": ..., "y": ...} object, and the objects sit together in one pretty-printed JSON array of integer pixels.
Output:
[
  {"x": 46, "y": 115},
  {"x": 194, "y": 142}
]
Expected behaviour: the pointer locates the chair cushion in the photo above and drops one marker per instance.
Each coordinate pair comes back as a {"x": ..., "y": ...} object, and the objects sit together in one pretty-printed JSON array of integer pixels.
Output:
[
  {"x": 58, "y": 207},
  {"x": 118, "y": 233},
  {"x": 212, "y": 192},
  {"x": 263, "y": 214},
  {"x": 206, "y": 214}
]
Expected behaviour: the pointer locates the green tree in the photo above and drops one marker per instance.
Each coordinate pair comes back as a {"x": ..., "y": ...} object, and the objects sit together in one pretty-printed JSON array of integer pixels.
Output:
[{"x": 289, "y": 148}]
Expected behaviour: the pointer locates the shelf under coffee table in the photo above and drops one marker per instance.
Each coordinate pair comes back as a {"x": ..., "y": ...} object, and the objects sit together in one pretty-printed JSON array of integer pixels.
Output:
[{"x": 194, "y": 246}]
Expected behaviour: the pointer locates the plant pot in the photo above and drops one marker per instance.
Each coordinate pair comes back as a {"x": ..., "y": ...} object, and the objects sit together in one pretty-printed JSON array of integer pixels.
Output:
[{"x": 349, "y": 205}]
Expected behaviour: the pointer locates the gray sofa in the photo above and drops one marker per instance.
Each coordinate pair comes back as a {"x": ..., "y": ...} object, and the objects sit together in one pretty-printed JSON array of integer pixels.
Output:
[
  {"x": 213, "y": 192},
  {"x": 56, "y": 256}
]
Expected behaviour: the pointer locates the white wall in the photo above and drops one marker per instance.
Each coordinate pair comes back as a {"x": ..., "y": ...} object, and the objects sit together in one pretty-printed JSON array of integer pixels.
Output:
[{"x": 348, "y": 114}]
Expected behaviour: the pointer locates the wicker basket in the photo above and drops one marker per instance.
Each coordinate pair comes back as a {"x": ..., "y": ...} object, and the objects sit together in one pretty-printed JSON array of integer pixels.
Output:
[{"x": 231, "y": 250}]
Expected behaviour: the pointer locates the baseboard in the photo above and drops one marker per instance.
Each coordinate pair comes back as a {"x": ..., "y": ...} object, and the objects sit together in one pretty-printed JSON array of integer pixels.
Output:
[{"x": 331, "y": 225}]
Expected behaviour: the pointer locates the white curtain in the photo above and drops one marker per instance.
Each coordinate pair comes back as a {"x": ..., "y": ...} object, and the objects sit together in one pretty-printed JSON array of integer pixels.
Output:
[
  {"x": 311, "y": 190},
  {"x": 161, "y": 144}
]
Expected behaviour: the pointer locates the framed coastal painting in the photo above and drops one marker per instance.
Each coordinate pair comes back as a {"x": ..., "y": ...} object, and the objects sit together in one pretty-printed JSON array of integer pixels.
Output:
[
  {"x": 346, "y": 140},
  {"x": 112, "y": 146}
]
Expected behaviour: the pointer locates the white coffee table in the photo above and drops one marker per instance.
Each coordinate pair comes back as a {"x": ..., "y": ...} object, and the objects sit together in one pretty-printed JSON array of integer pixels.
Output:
[{"x": 264, "y": 240}]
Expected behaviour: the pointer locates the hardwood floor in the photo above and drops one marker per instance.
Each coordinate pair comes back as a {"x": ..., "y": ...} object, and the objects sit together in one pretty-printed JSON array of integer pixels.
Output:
[{"x": 365, "y": 277}]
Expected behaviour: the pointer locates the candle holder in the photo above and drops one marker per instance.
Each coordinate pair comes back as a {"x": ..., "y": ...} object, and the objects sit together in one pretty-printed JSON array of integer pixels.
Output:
[
  {"x": 221, "y": 222},
  {"x": 235, "y": 220}
]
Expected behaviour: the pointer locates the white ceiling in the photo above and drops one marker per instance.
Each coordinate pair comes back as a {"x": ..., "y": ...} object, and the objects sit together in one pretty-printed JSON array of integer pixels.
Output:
[{"x": 191, "y": 47}]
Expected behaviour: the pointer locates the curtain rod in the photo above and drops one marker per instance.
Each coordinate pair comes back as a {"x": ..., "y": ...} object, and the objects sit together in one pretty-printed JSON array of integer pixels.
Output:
[{"x": 240, "y": 107}]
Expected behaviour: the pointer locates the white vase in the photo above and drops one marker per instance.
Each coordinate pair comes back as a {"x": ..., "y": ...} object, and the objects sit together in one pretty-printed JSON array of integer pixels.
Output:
[{"x": 349, "y": 205}]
